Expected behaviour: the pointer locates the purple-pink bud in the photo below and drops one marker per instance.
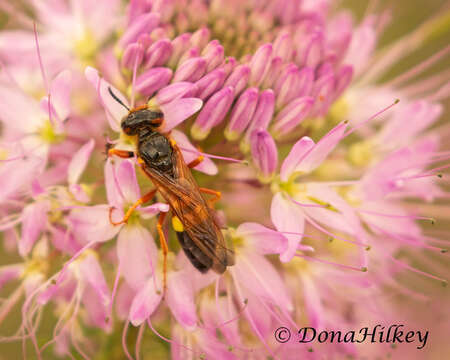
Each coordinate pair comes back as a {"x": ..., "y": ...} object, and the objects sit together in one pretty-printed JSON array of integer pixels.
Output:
[
  {"x": 213, "y": 113},
  {"x": 200, "y": 38},
  {"x": 283, "y": 47},
  {"x": 286, "y": 87},
  {"x": 213, "y": 56},
  {"x": 132, "y": 56},
  {"x": 260, "y": 63},
  {"x": 292, "y": 115},
  {"x": 190, "y": 70},
  {"x": 142, "y": 24},
  {"x": 273, "y": 75},
  {"x": 158, "y": 53},
  {"x": 239, "y": 78},
  {"x": 210, "y": 83},
  {"x": 343, "y": 78},
  {"x": 175, "y": 91},
  {"x": 179, "y": 46},
  {"x": 242, "y": 113},
  {"x": 306, "y": 81},
  {"x": 152, "y": 80},
  {"x": 228, "y": 64},
  {"x": 264, "y": 154},
  {"x": 145, "y": 40},
  {"x": 264, "y": 110},
  {"x": 323, "y": 93},
  {"x": 312, "y": 52}
]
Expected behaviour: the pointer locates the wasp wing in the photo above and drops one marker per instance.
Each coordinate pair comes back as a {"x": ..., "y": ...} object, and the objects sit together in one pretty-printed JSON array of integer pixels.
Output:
[{"x": 201, "y": 234}]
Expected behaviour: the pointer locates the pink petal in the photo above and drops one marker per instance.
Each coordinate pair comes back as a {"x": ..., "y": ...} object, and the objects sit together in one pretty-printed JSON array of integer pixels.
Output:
[
  {"x": 259, "y": 277},
  {"x": 262, "y": 239},
  {"x": 207, "y": 165},
  {"x": 114, "y": 111},
  {"x": 10, "y": 272},
  {"x": 144, "y": 303},
  {"x": 320, "y": 151},
  {"x": 296, "y": 155},
  {"x": 179, "y": 110},
  {"x": 286, "y": 216},
  {"x": 60, "y": 90},
  {"x": 149, "y": 211},
  {"x": 96, "y": 310},
  {"x": 137, "y": 255},
  {"x": 126, "y": 177},
  {"x": 79, "y": 162},
  {"x": 92, "y": 223},
  {"x": 92, "y": 273},
  {"x": 34, "y": 221},
  {"x": 180, "y": 299}
]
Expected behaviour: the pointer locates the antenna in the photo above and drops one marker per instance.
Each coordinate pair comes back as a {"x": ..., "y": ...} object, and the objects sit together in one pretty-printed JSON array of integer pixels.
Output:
[{"x": 117, "y": 99}]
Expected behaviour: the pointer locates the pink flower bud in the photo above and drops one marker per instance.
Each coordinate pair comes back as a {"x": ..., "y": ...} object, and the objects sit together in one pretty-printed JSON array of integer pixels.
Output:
[
  {"x": 213, "y": 56},
  {"x": 264, "y": 153},
  {"x": 142, "y": 24},
  {"x": 239, "y": 78},
  {"x": 283, "y": 47},
  {"x": 260, "y": 63},
  {"x": 210, "y": 83},
  {"x": 152, "y": 80},
  {"x": 292, "y": 115},
  {"x": 242, "y": 113},
  {"x": 213, "y": 113},
  {"x": 179, "y": 45},
  {"x": 191, "y": 70},
  {"x": 201, "y": 37},
  {"x": 158, "y": 53},
  {"x": 323, "y": 92},
  {"x": 175, "y": 91},
  {"x": 132, "y": 56}
]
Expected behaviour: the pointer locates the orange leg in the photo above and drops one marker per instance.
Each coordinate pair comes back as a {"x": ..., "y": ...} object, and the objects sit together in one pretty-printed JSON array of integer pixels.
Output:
[
  {"x": 195, "y": 162},
  {"x": 120, "y": 153},
  {"x": 164, "y": 247},
  {"x": 217, "y": 195},
  {"x": 142, "y": 200}
]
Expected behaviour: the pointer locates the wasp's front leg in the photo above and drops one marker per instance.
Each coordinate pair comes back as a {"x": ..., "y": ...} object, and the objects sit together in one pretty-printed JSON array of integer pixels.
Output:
[{"x": 147, "y": 197}]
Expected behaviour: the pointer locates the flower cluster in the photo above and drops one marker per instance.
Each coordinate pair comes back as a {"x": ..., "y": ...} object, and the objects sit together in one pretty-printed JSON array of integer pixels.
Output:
[{"x": 328, "y": 174}]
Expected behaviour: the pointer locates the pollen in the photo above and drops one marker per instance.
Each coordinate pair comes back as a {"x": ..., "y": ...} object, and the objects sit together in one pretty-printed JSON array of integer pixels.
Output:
[
  {"x": 48, "y": 134},
  {"x": 85, "y": 47}
]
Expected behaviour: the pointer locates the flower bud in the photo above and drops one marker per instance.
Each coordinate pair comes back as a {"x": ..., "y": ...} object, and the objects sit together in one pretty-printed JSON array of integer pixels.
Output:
[{"x": 213, "y": 113}]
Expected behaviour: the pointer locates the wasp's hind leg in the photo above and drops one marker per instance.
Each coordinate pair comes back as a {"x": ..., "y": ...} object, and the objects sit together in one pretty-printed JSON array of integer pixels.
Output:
[
  {"x": 147, "y": 197},
  {"x": 164, "y": 248},
  {"x": 216, "y": 198}
]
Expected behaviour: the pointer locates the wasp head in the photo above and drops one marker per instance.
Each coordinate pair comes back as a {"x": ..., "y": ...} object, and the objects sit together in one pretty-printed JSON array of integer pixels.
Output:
[{"x": 135, "y": 121}]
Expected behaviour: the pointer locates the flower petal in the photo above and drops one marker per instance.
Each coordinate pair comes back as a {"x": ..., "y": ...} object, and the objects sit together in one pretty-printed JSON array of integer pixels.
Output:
[
  {"x": 79, "y": 162},
  {"x": 179, "y": 110}
]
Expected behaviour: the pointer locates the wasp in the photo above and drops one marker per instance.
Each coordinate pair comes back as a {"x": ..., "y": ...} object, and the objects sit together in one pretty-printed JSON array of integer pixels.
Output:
[{"x": 193, "y": 218}]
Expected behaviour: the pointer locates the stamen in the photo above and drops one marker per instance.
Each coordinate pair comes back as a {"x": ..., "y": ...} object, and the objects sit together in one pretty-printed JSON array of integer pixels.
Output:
[
  {"x": 44, "y": 77},
  {"x": 213, "y": 156},
  {"x": 409, "y": 267},
  {"x": 418, "y": 68},
  {"x": 310, "y": 205},
  {"x": 347, "y": 267},
  {"x": 249, "y": 316},
  {"x": 399, "y": 216},
  {"x": 124, "y": 341},
  {"x": 427, "y": 173},
  {"x": 169, "y": 340},
  {"x": 137, "y": 348},
  {"x": 362, "y": 123},
  {"x": 115, "y": 286},
  {"x": 317, "y": 226}
]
